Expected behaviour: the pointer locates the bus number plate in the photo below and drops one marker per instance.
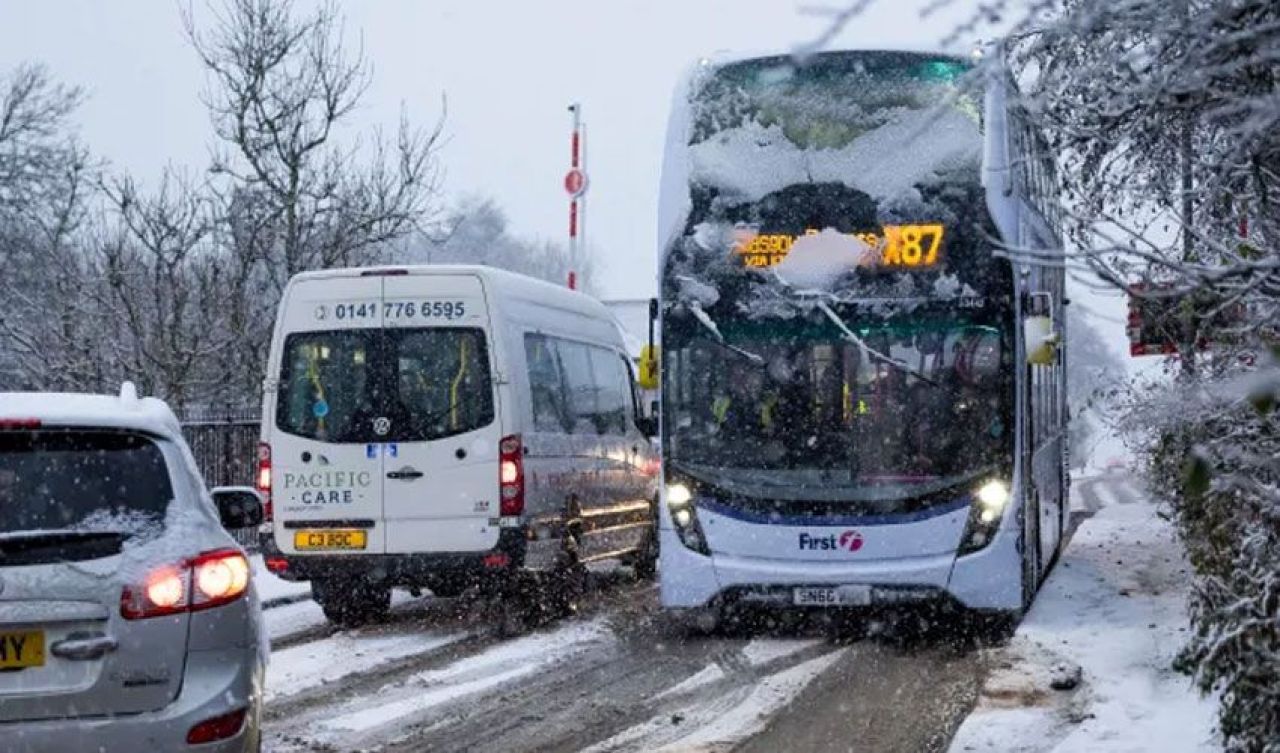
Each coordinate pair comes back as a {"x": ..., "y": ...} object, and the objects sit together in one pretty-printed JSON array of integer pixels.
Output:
[{"x": 832, "y": 596}]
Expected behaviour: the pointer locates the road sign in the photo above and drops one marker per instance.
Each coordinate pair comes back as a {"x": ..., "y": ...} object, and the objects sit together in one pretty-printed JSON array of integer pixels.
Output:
[
  {"x": 575, "y": 182},
  {"x": 1159, "y": 316}
]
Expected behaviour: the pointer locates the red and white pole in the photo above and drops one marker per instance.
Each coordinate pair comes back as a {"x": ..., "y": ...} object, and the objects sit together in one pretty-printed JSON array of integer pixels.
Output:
[{"x": 575, "y": 184}]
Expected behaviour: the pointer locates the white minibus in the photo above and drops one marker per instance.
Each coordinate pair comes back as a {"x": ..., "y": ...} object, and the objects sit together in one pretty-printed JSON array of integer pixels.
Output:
[{"x": 449, "y": 426}]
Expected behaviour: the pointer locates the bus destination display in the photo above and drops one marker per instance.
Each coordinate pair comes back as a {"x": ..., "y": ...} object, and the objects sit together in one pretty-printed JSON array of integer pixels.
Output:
[{"x": 901, "y": 246}]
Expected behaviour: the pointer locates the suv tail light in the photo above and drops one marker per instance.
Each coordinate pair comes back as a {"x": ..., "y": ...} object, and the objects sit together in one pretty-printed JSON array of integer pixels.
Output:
[
  {"x": 202, "y": 582},
  {"x": 262, "y": 481},
  {"x": 217, "y": 728},
  {"x": 511, "y": 475}
]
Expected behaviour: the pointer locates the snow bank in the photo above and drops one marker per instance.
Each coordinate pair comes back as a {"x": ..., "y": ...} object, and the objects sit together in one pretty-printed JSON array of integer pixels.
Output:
[{"x": 1115, "y": 609}]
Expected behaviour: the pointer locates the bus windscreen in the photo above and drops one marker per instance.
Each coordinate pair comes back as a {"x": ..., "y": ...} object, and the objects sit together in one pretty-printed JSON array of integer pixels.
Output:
[{"x": 915, "y": 407}]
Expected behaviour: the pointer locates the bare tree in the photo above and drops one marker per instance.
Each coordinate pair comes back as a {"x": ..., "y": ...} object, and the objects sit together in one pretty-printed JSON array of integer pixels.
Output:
[
  {"x": 46, "y": 179},
  {"x": 280, "y": 85},
  {"x": 35, "y": 141},
  {"x": 163, "y": 288},
  {"x": 477, "y": 232}
]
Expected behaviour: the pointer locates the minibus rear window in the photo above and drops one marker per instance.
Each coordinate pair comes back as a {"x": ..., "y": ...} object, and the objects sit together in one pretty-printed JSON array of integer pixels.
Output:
[
  {"x": 400, "y": 385},
  {"x": 326, "y": 392}
]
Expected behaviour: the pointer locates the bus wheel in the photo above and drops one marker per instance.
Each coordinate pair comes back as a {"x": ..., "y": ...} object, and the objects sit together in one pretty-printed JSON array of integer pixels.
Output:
[
  {"x": 351, "y": 602},
  {"x": 1030, "y": 557},
  {"x": 696, "y": 622}
]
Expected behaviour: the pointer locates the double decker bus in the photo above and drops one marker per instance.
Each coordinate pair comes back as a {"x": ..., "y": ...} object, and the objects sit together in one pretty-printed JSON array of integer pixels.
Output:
[{"x": 862, "y": 388}]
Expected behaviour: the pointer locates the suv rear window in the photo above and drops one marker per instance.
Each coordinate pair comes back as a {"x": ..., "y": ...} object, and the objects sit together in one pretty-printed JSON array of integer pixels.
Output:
[
  {"x": 428, "y": 383},
  {"x": 55, "y": 480}
]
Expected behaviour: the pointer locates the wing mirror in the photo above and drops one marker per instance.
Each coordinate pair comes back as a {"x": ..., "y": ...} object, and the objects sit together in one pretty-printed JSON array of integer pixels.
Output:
[
  {"x": 649, "y": 367},
  {"x": 238, "y": 506},
  {"x": 1041, "y": 340},
  {"x": 1039, "y": 335},
  {"x": 650, "y": 357}
]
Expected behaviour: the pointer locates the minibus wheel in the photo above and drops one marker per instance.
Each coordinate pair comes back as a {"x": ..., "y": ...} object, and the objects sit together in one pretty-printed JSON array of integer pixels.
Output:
[
  {"x": 566, "y": 584},
  {"x": 644, "y": 561},
  {"x": 351, "y": 602},
  {"x": 446, "y": 588}
]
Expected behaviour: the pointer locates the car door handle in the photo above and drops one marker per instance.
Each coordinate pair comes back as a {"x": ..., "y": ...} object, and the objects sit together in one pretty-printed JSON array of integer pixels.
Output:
[
  {"x": 405, "y": 474},
  {"x": 84, "y": 646}
]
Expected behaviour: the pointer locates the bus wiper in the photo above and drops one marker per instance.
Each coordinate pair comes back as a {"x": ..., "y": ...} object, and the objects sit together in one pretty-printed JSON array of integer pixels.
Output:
[
  {"x": 870, "y": 351},
  {"x": 705, "y": 321}
]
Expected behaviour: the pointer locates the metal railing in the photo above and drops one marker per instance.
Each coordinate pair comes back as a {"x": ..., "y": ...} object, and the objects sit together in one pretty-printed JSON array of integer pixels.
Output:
[
  {"x": 225, "y": 447},
  {"x": 226, "y": 451}
]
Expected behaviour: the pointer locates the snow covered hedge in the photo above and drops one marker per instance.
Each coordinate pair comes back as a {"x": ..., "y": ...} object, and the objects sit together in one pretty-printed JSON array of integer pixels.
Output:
[
  {"x": 1166, "y": 119},
  {"x": 1217, "y": 461}
]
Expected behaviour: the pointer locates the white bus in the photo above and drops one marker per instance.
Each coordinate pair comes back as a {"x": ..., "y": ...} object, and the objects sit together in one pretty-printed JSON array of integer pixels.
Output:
[
  {"x": 863, "y": 403},
  {"x": 443, "y": 426}
]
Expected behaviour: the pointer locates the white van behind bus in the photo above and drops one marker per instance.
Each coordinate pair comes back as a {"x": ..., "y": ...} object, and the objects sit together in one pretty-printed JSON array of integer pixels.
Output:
[{"x": 448, "y": 426}]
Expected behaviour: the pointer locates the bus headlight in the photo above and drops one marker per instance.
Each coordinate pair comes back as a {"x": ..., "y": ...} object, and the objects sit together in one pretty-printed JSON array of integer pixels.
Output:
[
  {"x": 678, "y": 495},
  {"x": 684, "y": 516},
  {"x": 989, "y": 503},
  {"x": 992, "y": 498}
]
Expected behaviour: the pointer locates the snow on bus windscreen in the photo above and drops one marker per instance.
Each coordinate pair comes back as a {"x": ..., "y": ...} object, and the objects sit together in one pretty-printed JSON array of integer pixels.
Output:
[
  {"x": 876, "y": 121},
  {"x": 884, "y": 147},
  {"x": 430, "y": 382}
]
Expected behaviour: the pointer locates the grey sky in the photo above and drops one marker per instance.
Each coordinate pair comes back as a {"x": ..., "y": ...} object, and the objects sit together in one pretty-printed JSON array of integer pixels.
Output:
[{"x": 509, "y": 69}]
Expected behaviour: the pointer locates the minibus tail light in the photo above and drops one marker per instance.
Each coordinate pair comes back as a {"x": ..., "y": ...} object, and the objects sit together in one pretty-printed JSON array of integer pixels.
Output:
[
  {"x": 511, "y": 475},
  {"x": 20, "y": 423},
  {"x": 263, "y": 480}
]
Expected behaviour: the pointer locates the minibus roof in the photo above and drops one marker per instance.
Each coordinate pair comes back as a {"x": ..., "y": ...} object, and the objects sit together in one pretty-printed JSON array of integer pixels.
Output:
[{"x": 500, "y": 283}]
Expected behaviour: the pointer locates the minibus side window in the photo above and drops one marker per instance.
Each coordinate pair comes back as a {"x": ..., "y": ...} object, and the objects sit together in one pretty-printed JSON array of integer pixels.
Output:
[
  {"x": 611, "y": 392},
  {"x": 546, "y": 387},
  {"x": 575, "y": 362}
]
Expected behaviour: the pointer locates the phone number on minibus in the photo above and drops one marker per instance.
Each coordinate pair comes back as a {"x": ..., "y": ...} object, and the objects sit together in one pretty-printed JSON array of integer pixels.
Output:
[{"x": 448, "y": 310}]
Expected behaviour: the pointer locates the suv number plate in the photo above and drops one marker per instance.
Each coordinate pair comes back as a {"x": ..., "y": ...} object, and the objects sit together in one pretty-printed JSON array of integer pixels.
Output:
[{"x": 20, "y": 649}]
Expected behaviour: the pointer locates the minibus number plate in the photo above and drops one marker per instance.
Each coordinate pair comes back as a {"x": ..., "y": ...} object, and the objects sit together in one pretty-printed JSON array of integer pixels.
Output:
[
  {"x": 330, "y": 540},
  {"x": 835, "y": 596}
]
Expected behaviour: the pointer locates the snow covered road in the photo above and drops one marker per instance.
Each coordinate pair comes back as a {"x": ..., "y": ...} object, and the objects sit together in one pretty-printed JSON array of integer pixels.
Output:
[
  {"x": 612, "y": 678},
  {"x": 616, "y": 678}
]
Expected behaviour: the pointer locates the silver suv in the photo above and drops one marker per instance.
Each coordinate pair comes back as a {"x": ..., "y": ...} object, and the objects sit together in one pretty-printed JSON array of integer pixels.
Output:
[{"x": 128, "y": 618}]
